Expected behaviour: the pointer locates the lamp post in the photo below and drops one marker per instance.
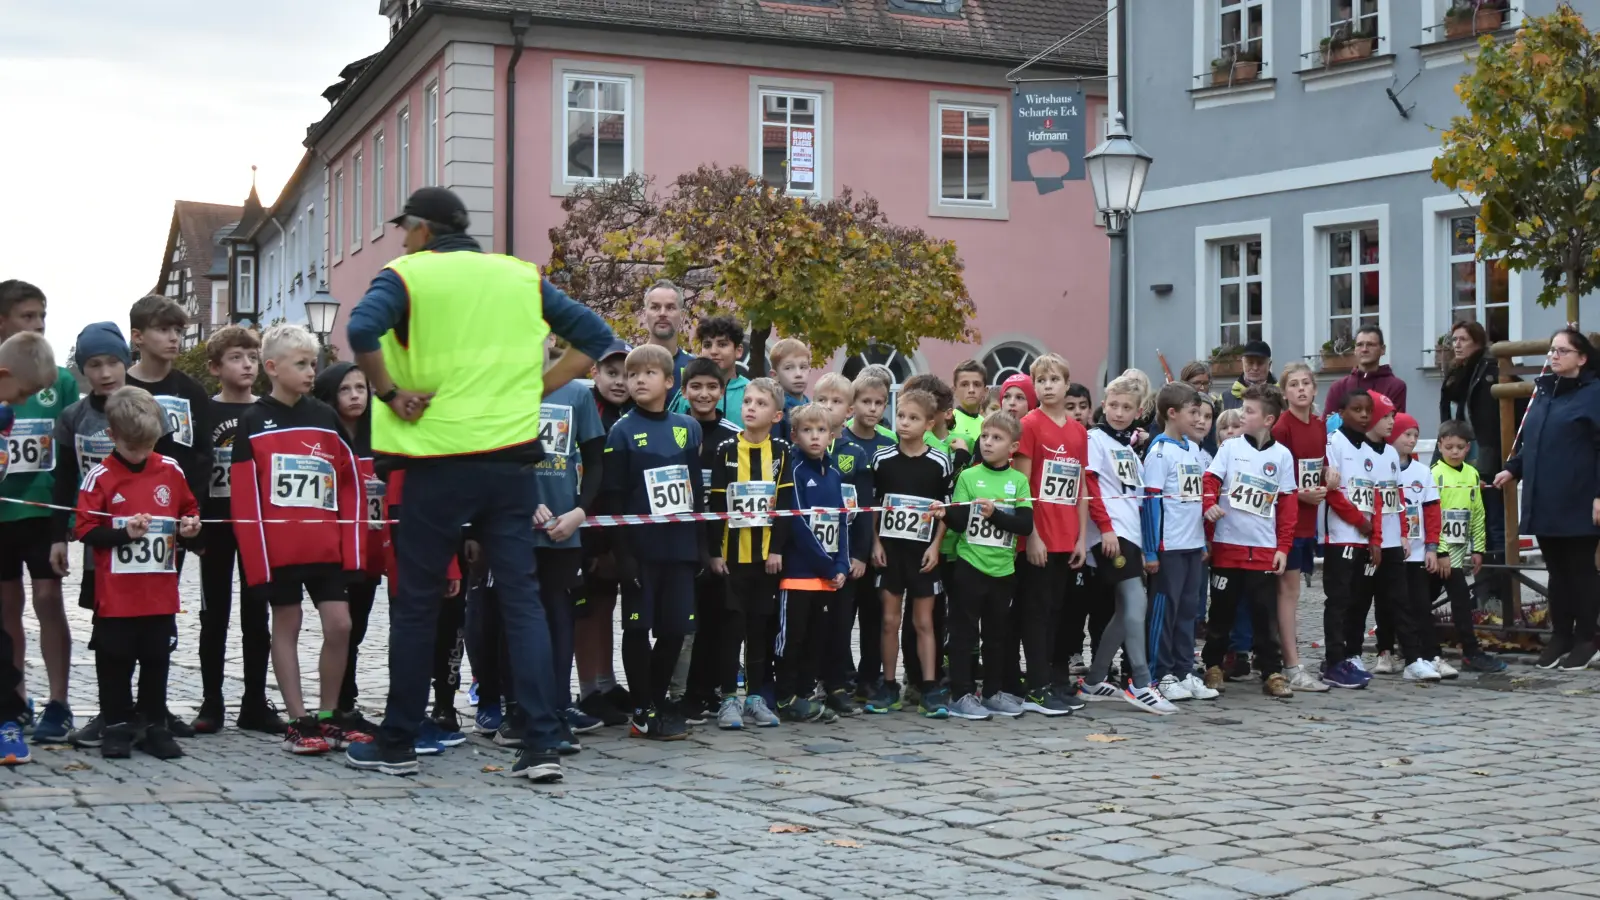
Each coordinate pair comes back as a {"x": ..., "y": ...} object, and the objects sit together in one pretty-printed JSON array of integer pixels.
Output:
[
  {"x": 1117, "y": 170},
  {"x": 321, "y": 311}
]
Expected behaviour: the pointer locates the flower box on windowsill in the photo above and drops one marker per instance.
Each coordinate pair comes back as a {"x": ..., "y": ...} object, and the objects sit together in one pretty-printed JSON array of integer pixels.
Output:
[
  {"x": 1240, "y": 72},
  {"x": 1349, "y": 51},
  {"x": 1485, "y": 21},
  {"x": 1227, "y": 367},
  {"x": 1338, "y": 362}
]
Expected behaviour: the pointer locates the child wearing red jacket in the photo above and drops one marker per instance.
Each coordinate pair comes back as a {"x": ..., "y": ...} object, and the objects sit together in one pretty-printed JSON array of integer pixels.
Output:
[
  {"x": 299, "y": 514},
  {"x": 132, "y": 510}
]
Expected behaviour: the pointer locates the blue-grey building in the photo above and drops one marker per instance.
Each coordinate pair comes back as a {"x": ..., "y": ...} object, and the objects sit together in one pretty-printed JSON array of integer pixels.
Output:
[
  {"x": 1291, "y": 198},
  {"x": 278, "y": 256}
]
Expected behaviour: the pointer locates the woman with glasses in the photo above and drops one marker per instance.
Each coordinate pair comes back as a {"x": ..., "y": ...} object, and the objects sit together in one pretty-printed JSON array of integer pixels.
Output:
[{"x": 1558, "y": 463}]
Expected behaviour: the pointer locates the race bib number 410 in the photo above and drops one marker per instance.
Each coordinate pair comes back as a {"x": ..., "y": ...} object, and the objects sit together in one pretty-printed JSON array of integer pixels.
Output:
[
  {"x": 909, "y": 519},
  {"x": 151, "y": 554},
  {"x": 1253, "y": 494},
  {"x": 303, "y": 482},
  {"x": 32, "y": 449},
  {"x": 1190, "y": 478},
  {"x": 667, "y": 488}
]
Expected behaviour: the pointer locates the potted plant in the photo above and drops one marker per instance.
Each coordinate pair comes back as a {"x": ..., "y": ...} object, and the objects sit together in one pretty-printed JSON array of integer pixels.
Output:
[
  {"x": 1227, "y": 361},
  {"x": 1466, "y": 18},
  {"x": 1345, "y": 46},
  {"x": 1236, "y": 66},
  {"x": 1339, "y": 353}
]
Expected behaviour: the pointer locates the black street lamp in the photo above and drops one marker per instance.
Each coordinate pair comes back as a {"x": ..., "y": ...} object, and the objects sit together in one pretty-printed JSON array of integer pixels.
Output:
[
  {"x": 1117, "y": 170},
  {"x": 321, "y": 312}
]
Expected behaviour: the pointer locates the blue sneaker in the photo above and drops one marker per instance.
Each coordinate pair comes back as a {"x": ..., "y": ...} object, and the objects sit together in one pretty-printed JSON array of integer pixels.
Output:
[
  {"x": 430, "y": 731},
  {"x": 1344, "y": 675},
  {"x": 13, "y": 749},
  {"x": 54, "y": 724},
  {"x": 422, "y": 746},
  {"x": 581, "y": 722},
  {"x": 489, "y": 718},
  {"x": 472, "y": 692},
  {"x": 374, "y": 757}
]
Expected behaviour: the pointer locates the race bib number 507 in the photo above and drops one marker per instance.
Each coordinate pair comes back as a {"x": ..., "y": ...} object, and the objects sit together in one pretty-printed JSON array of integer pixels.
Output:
[{"x": 667, "y": 488}]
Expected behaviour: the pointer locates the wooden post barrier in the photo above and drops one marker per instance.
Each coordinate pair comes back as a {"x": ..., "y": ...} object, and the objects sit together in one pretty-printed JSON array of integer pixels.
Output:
[{"x": 1508, "y": 392}]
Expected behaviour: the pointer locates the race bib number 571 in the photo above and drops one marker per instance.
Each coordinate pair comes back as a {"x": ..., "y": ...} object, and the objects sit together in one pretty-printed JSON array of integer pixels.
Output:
[{"x": 303, "y": 482}]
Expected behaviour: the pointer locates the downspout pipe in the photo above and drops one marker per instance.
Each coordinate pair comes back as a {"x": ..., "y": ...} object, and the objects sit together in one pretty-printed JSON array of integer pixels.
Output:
[{"x": 519, "y": 28}]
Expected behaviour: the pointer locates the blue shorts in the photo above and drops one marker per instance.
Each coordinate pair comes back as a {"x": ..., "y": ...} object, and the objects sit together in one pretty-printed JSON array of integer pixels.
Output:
[{"x": 1302, "y": 555}]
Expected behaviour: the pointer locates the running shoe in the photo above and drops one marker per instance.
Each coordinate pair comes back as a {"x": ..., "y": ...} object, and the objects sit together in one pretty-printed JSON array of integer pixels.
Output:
[
  {"x": 158, "y": 741},
  {"x": 1215, "y": 679},
  {"x": 1275, "y": 685},
  {"x": 447, "y": 719},
  {"x": 90, "y": 735},
  {"x": 1046, "y": 702},
  {"x": 210, "y": 719},
  {"x": 1174, "y": 690},
  {"x": 488, "y": 718},
  {"x": 796, "y": 709},
  {"x": 53, "y": 724},
  {"x": 340, "y": 732},
  {"x": 864, "y": 691},
  {"x": 757, "y": 712},
  {"x": 1301, "y": 680},
  {"x": 643, "y": 724},
  {"x": 472, "y": 692},
  {"x": 376, "y": 757},
  {"x": 1094, "y": 693},
  {"x": 431, "y": 730},
  {"x": 730, "y": 715},
  {"x": 1421, "y": 670},
  {"x": 1387, "y": 664},
  {"x": 1149, "y": 700},
  {"x": 1445, "y": 670},
  {"x": 1003, "y": 704},
  {"x": 1580, "y": 657},
  {"x": 538, "y": 766},
  {"x": 1197, "y": 688},
  {"x": 303, "y": 737},
  {"x": 885, "y": 699},
  {"x": 668, "y": 725},
  {"x": 935, "y": 704},
  {"x": 597, "y": 705},
  {"x": 581, "y": 722},
  {"x": 913, "y": 694},
  {"x": 1344, "y": 675},
  {"x": 117, "y": 741},
  {"x": 262, "y": 716},
  {"x": 1483, "y": 662},
  {"x": 509, "y": 734},
  {"x": 971, "y": 708},
  {"x": 13, "y": 748},
  {"x": 1553, "y": 652},
  {"x": 839, "y": 703},
  {"x": 1067, "y": 695},
  {"x": 422, "y": 746}
]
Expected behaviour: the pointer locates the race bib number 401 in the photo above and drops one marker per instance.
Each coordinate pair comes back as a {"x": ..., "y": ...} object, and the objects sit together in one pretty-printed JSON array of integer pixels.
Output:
[
  {"x": 222, "y": 472},
  {"x": 1253, "y": 494},
  {"x": 555, "y": 429},
  {"x": 982, "y": 532},
  {"x": 668, "y": 490},
  {"x": 1060, "y": 481},
  {"x": 751, "y": 502},
  {"x": 32, "y": 449},
  {"x": 180, "y": 422},
  {"x": 303, "y": 482},
  {"x": 151, "y": 554},
  {"x": 908, "y": 519}
]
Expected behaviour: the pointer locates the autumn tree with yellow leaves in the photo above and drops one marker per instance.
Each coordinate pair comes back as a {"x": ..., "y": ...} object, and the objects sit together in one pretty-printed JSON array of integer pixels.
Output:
[
  {"x": 836, "y": 274},
  {"x": 1529, "y": 148}
]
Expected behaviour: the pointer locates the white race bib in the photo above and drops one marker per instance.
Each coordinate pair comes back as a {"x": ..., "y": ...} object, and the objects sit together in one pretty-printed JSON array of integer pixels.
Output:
[
  {"x": 180, "y": 423},
  {"x": 1190, "y": 479},
  {"x": 1413, "y": 522},
  {"x": 555, "y": 429},
  {"x": 1363, "y": 494},
  {"x": 152, "y": 554},
  {"x": 851, "y": 500},
  {"x": 1253, "y": 494},
  {"x": 755, "y": 500},
  {"x": 1127, "y": 464},
  {"x": 303, "y": 482},
  {"x": 825, "y": 528},
  {"x": 222, "y": 472},
  {"x": 1060, "y": 481},
  {"x": 982, "y": 532},
  {"x": 1455, "y": 526},
  {"x": 668, "y": 490},
  {"x": 911, "y": 521},
  {"x": 32, "y": 449},
  {"x": 1310, "y": 473},
  {"x": 92, "y": 451},
  {"x": 375, "y": 491},
  {"x": 1390, "y": 491}
]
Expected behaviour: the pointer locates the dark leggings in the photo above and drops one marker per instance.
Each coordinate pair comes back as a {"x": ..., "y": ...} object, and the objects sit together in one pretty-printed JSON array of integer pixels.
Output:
[
  {"x": 1574, "y": 585},
  {"x": 869, "y": 616},
  {"x": 216, "y": 608},
  {"x": 649, "y": 668},
  {"x": 1462, "y": 606},
  {"x": 486, "y": 646},
  {"x": 361, "y": 595},
  {"x": 120, "y": 645},
  {"x": 449, "y": 645},
  {"x": 979, "y": 603}
]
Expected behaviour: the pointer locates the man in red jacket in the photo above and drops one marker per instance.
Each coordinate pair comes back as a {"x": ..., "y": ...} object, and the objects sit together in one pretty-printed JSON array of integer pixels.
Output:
[{"x": 1368, "y": 375}]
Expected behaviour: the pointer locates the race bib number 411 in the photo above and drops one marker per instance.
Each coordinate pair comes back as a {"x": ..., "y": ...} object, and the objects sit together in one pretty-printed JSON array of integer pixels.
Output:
[
  {"x": 1127, "y": 463},
  {"x": 908, "y": 519},
  {"x": 667, "y": 488},
  {"x": 151, "y": 554},
  {"x": 32, "y": 449},
  {"x": 303, "y": 482}
]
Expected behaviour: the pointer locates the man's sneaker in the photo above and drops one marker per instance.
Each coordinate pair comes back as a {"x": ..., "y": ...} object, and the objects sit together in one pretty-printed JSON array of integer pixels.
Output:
[
  {"x": 1174, "y": 690},
  {"x": 668, "y": 725},
  {"x": 1344, "y": 675},
  {"x": 423, "y": 746},
  {"x": 796, "y": 709},
  {"x": 13, "y": 749},
  {"x": 488, "y": 718},
  {"x": 178, "y": 727},
  {"x": 1003, "y": 704},
  {"x": 211, "y": 717},
  {"x": 730, "y": 715},
  {"x": 90, "y": 735},
  {"x": 1445, "y": 670},
  {"x": 116, "y": 741},
  {"x": 374, "y": 756},
  {"x": 581, "y": 722},
  {"x": 838, "y": 701},
  {"x": 642, "y": 724},
  {"x": 446, "y": 718},
  {"x": 1358, "y": 668},
  {"x": 970, "y": 707},
  {"x": 1094, "y": 693},
  {"x": 1236, "y": 665},
  {"x": 1076, "y": 666},
  {"x": 341, "y": 733},
  {"x": 304, "y": 737},
  {"x": 1550, "y": 657},
  {"x": 1276, "y": 685},
  {"x": 158, "y": 741},
  {"x": 1421, "y": 670},
  {"x": 1483, "y": 662},
  {"x": 1387, "y": 664},
  {"x": 54, "y": 724},
  {"x": 1067, "y": 695},
  {"x": 509, "y": 734},
  {"x": 864, "y": 691},
  {"x": 1216, "y": 680},
  {"x": 935, "y": 704},
  {"x": 598, "y": 706},
  {"x": 1577, "y": 659},
  {"x": 431, "y": 730},
  {"x": 1301, "y": 680},
  {"x": 261, "y": 716},
  {"x": 538, "y": 766},
  {"x": 1197, "y": 688},
  {"x": 758, "y": 713},
  {"x": 1149, "y": 700},
  {"x": 1045, "y": 702}
]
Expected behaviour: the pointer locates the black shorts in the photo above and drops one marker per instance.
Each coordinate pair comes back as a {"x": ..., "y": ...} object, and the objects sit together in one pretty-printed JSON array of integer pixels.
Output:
[
  {"x": 593, "y": 592},
  {"x": 1132, "y": 563},
  {"x": 902, "y": 573},
  {"x": 135, "y": 637},
  {"x": 751, "y": 590},
  {"x": 285, "y": 589},
  {"x": 560, "y": 568},
  {"x": 1302, "y": 555},
  {"x": 662, "y": 601},
  {"x": 26, "y": 542}
]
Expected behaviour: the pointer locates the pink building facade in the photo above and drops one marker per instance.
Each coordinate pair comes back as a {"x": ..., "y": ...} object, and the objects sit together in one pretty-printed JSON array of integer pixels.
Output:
[{"x": 925, "y": 134}]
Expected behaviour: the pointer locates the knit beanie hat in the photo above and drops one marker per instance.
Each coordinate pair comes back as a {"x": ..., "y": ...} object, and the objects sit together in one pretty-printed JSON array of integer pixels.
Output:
[
  {"x": 101, "y": 339},
  {"x": 1025, "y": 382}
]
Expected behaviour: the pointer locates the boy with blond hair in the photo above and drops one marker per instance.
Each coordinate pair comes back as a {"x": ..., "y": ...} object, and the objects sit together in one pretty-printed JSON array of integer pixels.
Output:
[
  {"x": 791, "y": 369},
  {"x": 862, "y": 429},
  {"x": 836, "y": 395}
]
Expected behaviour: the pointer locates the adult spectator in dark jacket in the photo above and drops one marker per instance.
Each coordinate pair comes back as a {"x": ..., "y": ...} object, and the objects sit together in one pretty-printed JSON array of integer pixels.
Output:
[
  {"x": 1558, "y": 463},
  {"x": 1256, "y": 358},
  {"x": 1465, "y": 396},
  {"x": 1368, "y": 374}
]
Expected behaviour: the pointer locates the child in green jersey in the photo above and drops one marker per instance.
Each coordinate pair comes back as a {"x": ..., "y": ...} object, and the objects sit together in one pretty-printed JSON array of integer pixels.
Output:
[
  {"x": 1461, "y": 538},
  {"x": 986, "y": 559}
]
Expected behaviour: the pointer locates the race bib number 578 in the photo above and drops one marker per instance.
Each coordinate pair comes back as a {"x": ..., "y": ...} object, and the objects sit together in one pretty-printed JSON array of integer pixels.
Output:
[{"x": 1060, "y": 481}]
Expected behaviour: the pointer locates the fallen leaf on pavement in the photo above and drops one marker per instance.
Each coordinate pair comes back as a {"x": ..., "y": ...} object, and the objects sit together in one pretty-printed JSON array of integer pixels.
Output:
[
  {"x": 1312, "y": 718},
  {"x": 1110, "y": 807},
  {"x": 1104, "y": 738},
  {"x": 76, "y": 767},
  {"x": 1059, "y": 837},
  {"x": 494, "y": 768},
  {"x": 696, "y": 895},
  {"x": 788, "y": 829},
  {"x": 785, "y": 772},
  {"x": 57, "y": 747},
  {"x": 1397, "y": 761},
  {"x": 843, "y": 842},
  {"x": 1477, "y": 772}
]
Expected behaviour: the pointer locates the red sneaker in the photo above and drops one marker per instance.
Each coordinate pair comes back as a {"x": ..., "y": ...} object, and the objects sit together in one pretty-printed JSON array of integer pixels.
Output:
[
  {"x": 304, "y": 737},
  {"x": 340, "y": 732}
]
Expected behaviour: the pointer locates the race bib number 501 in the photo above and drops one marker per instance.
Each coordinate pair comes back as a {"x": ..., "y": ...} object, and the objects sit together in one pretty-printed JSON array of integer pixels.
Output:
[{"x": 303, "y": 482}]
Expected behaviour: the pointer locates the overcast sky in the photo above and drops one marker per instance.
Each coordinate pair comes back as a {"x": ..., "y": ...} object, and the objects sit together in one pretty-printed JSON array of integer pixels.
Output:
[{"x": 112, "y": 110}]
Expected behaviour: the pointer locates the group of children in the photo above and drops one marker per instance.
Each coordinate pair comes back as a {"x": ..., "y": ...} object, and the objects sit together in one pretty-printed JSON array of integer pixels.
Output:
[{"x": 983, "y": 537}]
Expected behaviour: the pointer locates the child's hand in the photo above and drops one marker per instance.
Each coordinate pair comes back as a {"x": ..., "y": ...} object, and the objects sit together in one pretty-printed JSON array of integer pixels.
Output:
[
  {"x": 452, "y": 587},
  {"x": 1330, "y": 479},
  {"x": 188, "y": 526},
  {"x": 985, "y": 506},
  {"x": 1477, "y": 564},
  {"x": 838, "y": 581},
  {"x": 58, "y": 560},
  {"x": 1364, "y": 527},
  {"x": 937, "y": 511},
  {"x": 774, "y": 563},
  {"x": 1152, "y": 566},
  {"x": 959, "y": 444},
  {"x": 1314, "y": 495},
  {"x": 877, "y": 554},
  {"x": 1443, "y": 566},
  {"x": 1430, "y": 561},
  {"x": 1109, "y": 545},
  {"x": 138, "y": 526},
  {"x": 857, "y": 569},
  {"x": 566, "y": 524},
  {"x": 719, "y": 566},
  {"x": 541, "y": 516},
  {"x": 1038, "y": 555},
  {"x": 1215, "y": 512},
  {"x": 1080, "y": 553},
  {"x": 1280, "y": 561},
  {"x": 930, "y": 558}
]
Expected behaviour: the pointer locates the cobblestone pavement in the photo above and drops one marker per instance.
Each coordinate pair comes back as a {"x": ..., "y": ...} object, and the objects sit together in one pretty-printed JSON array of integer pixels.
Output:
[{"x": 1486, "y": 787}]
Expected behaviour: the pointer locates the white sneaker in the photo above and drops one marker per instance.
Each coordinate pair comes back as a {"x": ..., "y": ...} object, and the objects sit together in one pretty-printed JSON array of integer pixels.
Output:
[
  {"x": 1444, "y": 669},
  {"x": 1360, "y": 662},
  {"x": 1149, "y": 700},
  {"x": 1105, "y": 690},
  {"x": 1421, "y": 670},
  {"x": 1301, "y": 680},
  {"x": 1387, "y": 664},
  {"x": 1197, "y": 688},
  {"x": 1173, "y": 689}
]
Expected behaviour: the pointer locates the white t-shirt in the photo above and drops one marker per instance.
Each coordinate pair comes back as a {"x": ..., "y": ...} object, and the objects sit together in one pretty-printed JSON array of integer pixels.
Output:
[
  {"x": 1173, "y": 469},
  {"x": 1417, "y": 490},
  {"x": 1358, "y": 482},
  {"x": 1252, "y": 481},
  {"x": 1116, "y": 466}
]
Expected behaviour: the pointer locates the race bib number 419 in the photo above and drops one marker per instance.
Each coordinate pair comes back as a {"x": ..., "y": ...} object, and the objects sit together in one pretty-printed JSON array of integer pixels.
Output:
[
  {"x": 32, "y": 449},
  {"x": 667, "y": 488},
  {"x": 303, "y": 482}
]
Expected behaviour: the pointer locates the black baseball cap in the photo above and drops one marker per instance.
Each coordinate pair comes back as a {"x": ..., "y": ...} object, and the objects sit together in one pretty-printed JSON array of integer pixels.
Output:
[
  {"x": 618, "y": 345},
  {"x": 435, "y": 204},
  {"x": 1257, "y": 348}
]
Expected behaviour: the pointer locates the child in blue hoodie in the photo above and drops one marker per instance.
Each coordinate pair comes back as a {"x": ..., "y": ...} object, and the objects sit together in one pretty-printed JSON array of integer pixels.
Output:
[{"x": 815, "y": 551}]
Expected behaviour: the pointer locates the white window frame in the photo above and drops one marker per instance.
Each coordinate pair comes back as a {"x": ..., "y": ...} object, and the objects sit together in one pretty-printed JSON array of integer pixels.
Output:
[
  {"x": 633, "y": 118},
  {"x": 357, "y": 201},
  {"x": 312, "y": 259},
  {"x": 1206, "y": 37},
  {"x": 822, "y": 151},
  {"x": 999, "y": 112},
  {"x": 379, "y": 171},
  {"x": 402, "y": 180},
  {"x": 1207, "y": 278},
  {"x": 291, "y": 252},
  {"x": 1451, "y": 53},
  {"x": 1315, "y": 230},
  {"x": 247, "y": 286},
  {"x": 1436, "y": 300},
  {"x": 1008, "y": 342},
  {"x": 1316, "y": 24},
  {"x": 430, "y": 136},
  {"x": 337, "y": 241}
]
